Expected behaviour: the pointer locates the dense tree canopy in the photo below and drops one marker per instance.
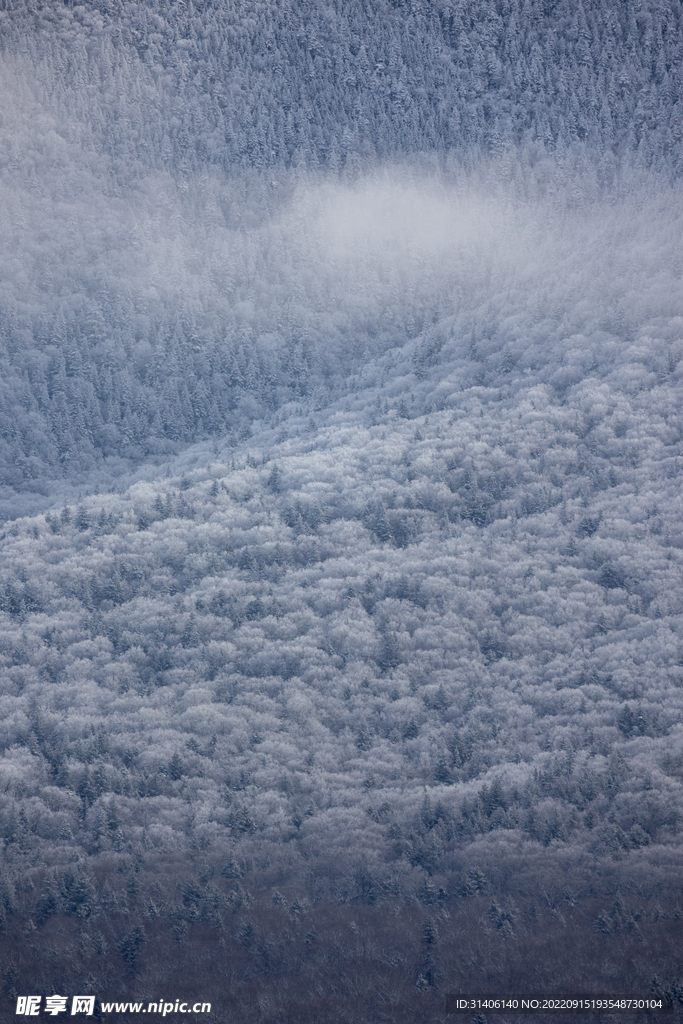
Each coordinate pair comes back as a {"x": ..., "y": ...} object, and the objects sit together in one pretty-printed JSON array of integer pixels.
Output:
[
  {"x": 168, "y": 269},
  {"x": 391, "y": 645},
  {"x": 340, "y": 455}
]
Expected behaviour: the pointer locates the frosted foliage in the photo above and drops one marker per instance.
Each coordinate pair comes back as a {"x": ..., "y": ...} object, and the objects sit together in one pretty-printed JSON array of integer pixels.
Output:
[
  {"x": 443, "y": 601},
  {"x": 341, "y": 604}
]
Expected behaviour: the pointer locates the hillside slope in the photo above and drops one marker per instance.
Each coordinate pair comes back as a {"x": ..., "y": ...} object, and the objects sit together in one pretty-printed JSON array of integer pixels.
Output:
[
  {"x": 373, "y": 658},
  {"x": 158, "y": 284},
  {"x": 341, "y": 441}
]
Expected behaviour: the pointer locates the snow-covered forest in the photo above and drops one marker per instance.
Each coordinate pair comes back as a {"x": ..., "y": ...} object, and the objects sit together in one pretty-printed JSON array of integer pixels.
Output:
[{"x": 341, "y": 556}]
